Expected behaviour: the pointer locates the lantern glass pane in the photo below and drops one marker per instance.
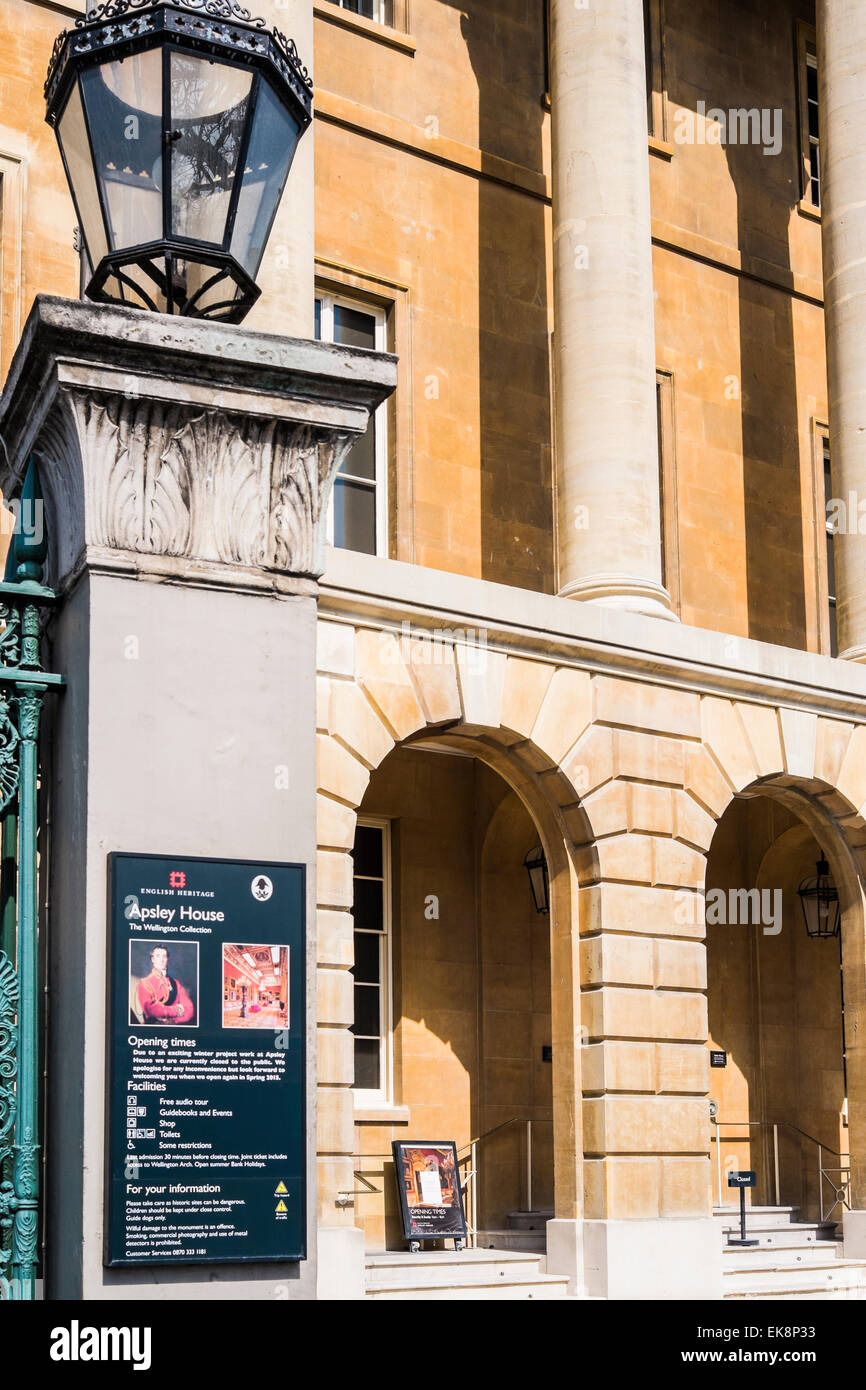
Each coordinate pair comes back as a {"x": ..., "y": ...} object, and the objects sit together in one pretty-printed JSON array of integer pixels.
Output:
[
  {"x": 124, "y": 113},
  {"x": 204, "y": 286},
  {"x": 273, "y": 141},
  {"x": 209, "y": 109},
  {"x": 72, "y": 134}
]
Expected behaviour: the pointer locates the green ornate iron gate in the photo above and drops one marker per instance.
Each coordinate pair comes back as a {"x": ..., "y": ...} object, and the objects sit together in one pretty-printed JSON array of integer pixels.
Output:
[{"x": 23, "y": 687}]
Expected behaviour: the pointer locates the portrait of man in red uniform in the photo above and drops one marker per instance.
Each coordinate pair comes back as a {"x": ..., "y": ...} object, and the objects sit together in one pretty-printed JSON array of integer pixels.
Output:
[{"x": 162, "y": 997}]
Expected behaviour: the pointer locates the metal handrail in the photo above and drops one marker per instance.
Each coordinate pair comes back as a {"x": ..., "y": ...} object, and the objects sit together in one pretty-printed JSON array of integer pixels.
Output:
[{"x": 841, "y": 1193}]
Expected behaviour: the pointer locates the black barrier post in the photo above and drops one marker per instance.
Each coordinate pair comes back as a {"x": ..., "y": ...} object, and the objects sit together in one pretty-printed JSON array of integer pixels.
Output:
[{"x": 742, "y": 1181}]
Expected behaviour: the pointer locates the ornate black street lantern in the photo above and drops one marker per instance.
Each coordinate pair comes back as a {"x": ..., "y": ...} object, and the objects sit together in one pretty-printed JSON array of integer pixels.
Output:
[
  {"x": 820, "y": 900},
  {"x": 536, "y": 866},
  {"x": 177, "y": 122}
]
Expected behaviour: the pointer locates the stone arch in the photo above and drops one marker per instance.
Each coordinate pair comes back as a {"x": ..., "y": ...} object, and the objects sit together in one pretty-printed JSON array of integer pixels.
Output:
[
  {"x": 815, "y": 766},
  {"x": 522, "y": 718}
]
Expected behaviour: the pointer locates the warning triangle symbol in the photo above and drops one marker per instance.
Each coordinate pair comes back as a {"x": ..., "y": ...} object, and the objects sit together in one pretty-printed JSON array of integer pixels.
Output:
[
  {"x": 281, "y": 1187},
  {"x": 281, "y": 1207}
]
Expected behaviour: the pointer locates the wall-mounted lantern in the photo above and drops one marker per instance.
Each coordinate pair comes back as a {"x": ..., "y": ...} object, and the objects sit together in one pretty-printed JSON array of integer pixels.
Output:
[
  {"x": 536, "y": 866},
  {"x": 820, "y": 901},
  {"x": 177, "y": 122}
]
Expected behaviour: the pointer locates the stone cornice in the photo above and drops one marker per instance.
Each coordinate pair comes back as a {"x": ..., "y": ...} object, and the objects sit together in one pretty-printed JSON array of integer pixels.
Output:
[
  {"x": 388, "y": 593},
  {"x": 203, "y": 449}
]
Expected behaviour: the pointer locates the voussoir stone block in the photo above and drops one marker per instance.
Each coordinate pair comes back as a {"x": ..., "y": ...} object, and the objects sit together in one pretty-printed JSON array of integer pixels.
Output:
[
  {"x": 335, "y": 648},
  {"x": 523, "y": 692},
  {"x": 334, "y": 879},
  {"x": 799, "y": 734},
  {"x": 335, "y": 940},
  {"x": 852, "y": 775},
  {"x": 647, "y": 708},
  {"x": 647, "y": 757},
  {"x": 433, "y": 667},
  {"x": 323, "y": 705},
  {"x": 650, "y": 808},
  {"x": 335, "y": 824},
  {"x": 724, "y": 734},
  {"x": 704, "y": 780},
  {"x": 589, "y": 764},
  {"x": 761, "y": 723},
  {"x": 628, "y": 858},
  {"x": 607, "y": 809},
  {"x": 565, "y": 712},
  {"x": 676, "y": 865},
  {"x": 356, "y": 724},
  {"x": 831, "y": 745},
  {"x": 339, "y": 772},
  {"x": 382, "y": 674},
  {"x": 481, "y": 675},
  {"x": 692, "y": 824}
]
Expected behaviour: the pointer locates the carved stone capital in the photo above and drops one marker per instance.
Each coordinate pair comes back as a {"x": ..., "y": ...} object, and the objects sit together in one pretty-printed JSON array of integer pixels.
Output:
[{"x": 182, "y": 449}]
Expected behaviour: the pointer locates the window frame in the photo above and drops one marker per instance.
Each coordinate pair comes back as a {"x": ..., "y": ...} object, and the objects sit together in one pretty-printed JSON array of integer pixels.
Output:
[
  {"x": 807, "y": 50},
  {"x": 668, "y": 501},
  {"x": 365, "y": 1098},
  {"x": 657, "y": 96},
  {"x": 329, "y": 300},
  {"x": 826, "y": 602},
  {"x": 383, "y": 15}
]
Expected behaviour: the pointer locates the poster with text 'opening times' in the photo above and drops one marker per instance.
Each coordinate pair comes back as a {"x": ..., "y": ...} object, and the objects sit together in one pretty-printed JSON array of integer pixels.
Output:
[{"x": 206, "y": 1086}]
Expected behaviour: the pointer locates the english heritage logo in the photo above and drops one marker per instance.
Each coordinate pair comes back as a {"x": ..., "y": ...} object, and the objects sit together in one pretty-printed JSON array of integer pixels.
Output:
[{"x": 77, "y": 1343}]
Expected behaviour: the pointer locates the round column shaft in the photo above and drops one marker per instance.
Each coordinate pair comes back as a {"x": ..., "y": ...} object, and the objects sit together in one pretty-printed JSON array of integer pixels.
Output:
[
  {"x": 606, "y": 425},
  {"x": 842, "y": 106}
]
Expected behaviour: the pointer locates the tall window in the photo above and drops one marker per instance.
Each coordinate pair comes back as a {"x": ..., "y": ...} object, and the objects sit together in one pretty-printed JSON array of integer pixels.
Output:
[
  {"x": 654, "y": 23},
  {"x": 358, "y": 515},
  {"x": 831, "y": 564},
  {"x": 668, "y": 502},
  {"x": 371, "y": 857},
  {"x": 809, "y": 123}
]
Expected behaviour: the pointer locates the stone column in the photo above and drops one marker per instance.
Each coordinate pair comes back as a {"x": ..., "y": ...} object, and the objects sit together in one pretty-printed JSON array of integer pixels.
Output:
[
  {"x": 841, "y": 60},
  {"x": 186, "y": 467},
  {"x": 607, "y": 467}
]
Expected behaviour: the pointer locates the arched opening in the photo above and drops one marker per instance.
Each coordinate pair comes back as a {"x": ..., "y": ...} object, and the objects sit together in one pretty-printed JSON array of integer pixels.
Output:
[
  {"x": 777, "y": 1018},
  {"x": 454, "y": 1027}
]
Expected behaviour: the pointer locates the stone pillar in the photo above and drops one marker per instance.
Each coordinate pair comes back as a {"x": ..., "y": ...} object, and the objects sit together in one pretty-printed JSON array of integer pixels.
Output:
[
  {"x": 186, "y": 467},
  {"x": 607, "y": 467},
  {"x": 841, "y": 59}
]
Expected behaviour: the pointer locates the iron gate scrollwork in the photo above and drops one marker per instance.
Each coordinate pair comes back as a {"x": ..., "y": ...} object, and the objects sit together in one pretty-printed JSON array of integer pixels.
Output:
[{"x": 23, "y": 687}]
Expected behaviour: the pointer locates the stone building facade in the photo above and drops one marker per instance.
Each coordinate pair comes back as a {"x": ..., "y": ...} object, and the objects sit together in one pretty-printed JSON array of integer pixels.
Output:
[{"x": 621, "y": 269}]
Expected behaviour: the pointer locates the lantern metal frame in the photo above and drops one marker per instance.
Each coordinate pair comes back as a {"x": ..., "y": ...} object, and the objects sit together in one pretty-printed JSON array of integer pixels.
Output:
[
  {"x": 535, "y": 860},
  {"x": 225, "y": 32},
  {"x": 819, "y": 888}
]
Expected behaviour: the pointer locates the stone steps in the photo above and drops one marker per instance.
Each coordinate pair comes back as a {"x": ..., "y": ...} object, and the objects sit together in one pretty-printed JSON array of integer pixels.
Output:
[
  {"x": 794, "y": 1259},
  {"x": 466, "y": 1275}
]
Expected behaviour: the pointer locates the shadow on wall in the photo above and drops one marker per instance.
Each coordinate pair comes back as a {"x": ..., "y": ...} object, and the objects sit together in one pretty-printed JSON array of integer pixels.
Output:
[
  {"x": 505, "y": 40},
  {"x": 756, "y": 69}
]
